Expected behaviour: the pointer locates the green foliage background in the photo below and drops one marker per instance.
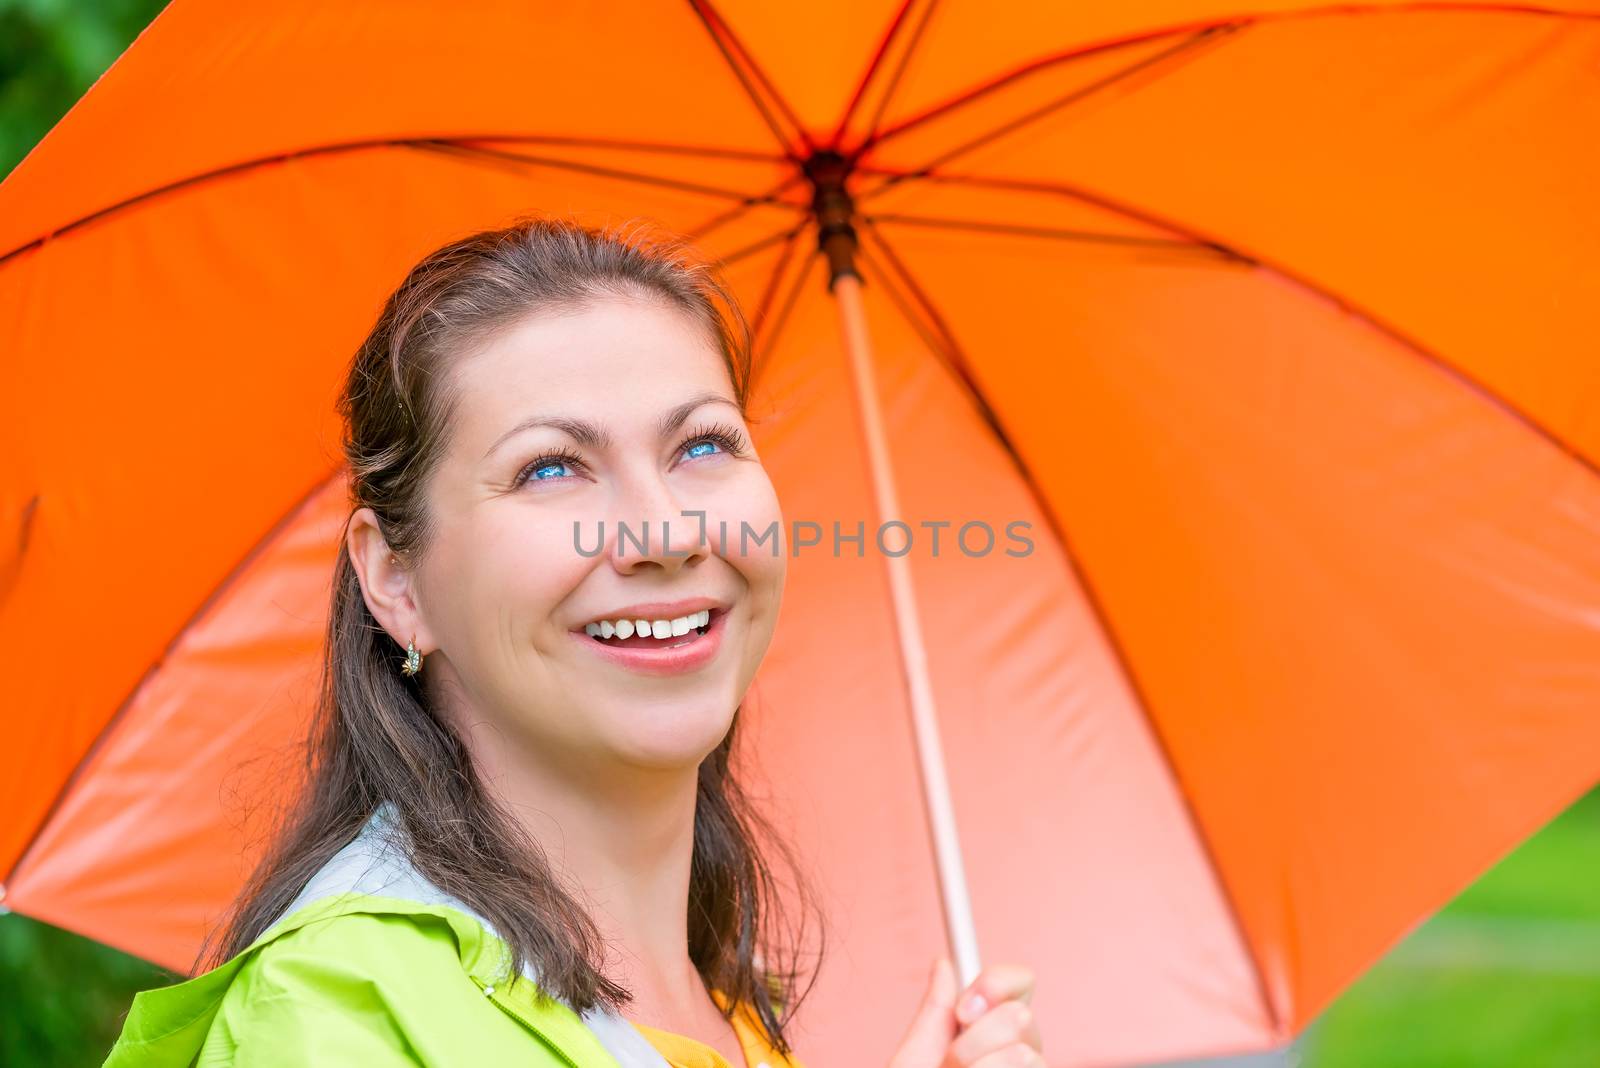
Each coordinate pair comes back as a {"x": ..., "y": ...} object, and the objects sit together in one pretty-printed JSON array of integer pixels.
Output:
[
  {"x": 1507, "y": 975},
  {"x": 51, "y": 51}
]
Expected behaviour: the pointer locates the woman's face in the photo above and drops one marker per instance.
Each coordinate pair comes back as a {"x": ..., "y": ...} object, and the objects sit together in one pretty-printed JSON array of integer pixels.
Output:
[{"x": 504, "y": 594}]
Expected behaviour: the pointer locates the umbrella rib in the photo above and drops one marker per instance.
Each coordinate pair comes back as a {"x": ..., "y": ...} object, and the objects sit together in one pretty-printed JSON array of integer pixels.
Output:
[
  {"x": 770, "y": 290},
  {"x": 1017, "y": 74},
  {"x": 1009, "y": 229},
  {"x": 875, "y": 63},
  {"x": 767, "y": 344},
  {"x": 900, "y": 70},
  {"x": 723, "y": 37},
  {"x": 100, "y": 739},
  {"x": 766, "y": 242},
  {"x": 1097, "y": 608},
  {"x": 1236, "y": 21},
  {"x": 930, "y": 335},
  {"x": 663, "y": 147},
  {"x": 716, "y": 222},
  {"x": 12, "y": 570},
  {"x": 872, "y": 69},
  {"x": 936, "y": 332},
  {"x": 505, "y": 156},
  {"x": 1187, "y": 48},
  {"x": 280, "y": 157},
  {"x": 1327, "y": 293}
]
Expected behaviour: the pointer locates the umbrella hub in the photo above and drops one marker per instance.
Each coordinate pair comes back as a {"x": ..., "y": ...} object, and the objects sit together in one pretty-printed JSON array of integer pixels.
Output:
[{"x": 834, "y": 212}]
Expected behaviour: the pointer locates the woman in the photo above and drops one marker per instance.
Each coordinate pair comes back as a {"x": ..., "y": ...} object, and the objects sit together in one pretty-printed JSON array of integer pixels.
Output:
[{"x": 521, "y": 839}]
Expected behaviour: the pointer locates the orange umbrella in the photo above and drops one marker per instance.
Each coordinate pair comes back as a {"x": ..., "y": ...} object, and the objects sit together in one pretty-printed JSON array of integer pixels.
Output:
[{"x": 1275, "y": 328}]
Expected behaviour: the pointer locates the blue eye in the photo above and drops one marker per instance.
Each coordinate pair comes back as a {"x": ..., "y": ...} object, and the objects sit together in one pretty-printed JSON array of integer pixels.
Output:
[
  {"x": 706, "y": 441},
  {"x": 721, "y": 436},
  {"x": 547, "y": 468}
]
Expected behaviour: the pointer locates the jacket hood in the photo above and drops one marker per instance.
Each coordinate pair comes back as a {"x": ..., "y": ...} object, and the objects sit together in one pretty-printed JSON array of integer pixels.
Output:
[
  {"x": 168, "y": 1026},
  {"x": 374, "y": 866}
]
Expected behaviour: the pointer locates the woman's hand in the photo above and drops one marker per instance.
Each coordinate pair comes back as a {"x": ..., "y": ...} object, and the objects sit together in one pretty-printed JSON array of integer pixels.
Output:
[{"x": 998, "y": 1031}]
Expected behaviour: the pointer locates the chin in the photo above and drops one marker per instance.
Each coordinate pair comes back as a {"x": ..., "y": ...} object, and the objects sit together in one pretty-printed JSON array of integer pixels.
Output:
[{"x": 668, "y": 740}]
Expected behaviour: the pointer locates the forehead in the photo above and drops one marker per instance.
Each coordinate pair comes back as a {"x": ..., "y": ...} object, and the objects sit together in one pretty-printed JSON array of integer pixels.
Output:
[{"x": 613, "y": 357}]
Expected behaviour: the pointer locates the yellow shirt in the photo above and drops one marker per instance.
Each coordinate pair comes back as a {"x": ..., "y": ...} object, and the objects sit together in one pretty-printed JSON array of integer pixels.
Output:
[{"x": 681, "y": 1051}]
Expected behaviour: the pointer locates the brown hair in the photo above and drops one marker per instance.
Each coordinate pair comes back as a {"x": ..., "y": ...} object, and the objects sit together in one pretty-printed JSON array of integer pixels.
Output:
[{"x": 374, "y": 736}]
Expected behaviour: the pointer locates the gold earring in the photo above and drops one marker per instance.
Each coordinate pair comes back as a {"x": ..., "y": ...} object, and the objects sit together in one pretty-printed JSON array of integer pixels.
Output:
[{"x": 413, "y": 662}]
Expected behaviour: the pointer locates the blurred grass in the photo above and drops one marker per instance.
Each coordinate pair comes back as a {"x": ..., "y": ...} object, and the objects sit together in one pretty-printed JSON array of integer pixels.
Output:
[
  {"x": 63, "y": 997},
  {"x": 1507, "y": 975}
]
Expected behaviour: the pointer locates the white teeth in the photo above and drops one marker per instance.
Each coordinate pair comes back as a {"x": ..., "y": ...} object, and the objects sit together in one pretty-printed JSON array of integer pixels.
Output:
[{"x": 646, "y": 628}]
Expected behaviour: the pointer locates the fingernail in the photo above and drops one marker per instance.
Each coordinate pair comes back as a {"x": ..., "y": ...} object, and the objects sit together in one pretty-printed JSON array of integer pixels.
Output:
[{"x": 973, "y": 1008}]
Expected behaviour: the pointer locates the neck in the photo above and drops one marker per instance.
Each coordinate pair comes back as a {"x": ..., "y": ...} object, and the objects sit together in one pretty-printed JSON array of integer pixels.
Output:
[{"x": 625, "y": 837}]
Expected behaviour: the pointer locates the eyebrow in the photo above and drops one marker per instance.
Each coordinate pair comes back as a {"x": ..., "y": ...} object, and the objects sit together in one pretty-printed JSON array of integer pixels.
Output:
[{"x": 595, "y": 436}]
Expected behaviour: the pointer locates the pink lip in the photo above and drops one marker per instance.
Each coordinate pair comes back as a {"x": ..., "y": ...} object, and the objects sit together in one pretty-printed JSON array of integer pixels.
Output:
[{"x": 668, "y": 660}]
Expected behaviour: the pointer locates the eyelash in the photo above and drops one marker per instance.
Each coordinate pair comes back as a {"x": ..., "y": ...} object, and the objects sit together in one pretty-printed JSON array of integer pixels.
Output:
[{"x": 730, "y": 438}]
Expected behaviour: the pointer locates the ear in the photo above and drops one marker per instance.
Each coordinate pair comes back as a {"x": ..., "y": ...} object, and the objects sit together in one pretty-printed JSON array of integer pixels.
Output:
[{"x": 387, "y": 585}]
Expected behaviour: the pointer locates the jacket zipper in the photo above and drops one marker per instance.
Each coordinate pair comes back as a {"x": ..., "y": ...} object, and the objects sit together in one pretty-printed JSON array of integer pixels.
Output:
[{"x": 498, "y": 997}]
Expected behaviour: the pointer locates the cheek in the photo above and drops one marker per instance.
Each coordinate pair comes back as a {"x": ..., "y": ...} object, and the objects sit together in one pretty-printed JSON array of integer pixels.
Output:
[
  {"x": 510, "y": 570},
  {"x": 759, "y": 549}
]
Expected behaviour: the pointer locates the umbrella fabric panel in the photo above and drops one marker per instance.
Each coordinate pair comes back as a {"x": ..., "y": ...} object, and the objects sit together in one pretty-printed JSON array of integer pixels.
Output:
[
  {"x": 169, "y": 426},
  {"x": 171, "y": 809},
  {"x": 1357, "y": 599},
  {"x": 1390, "y": 161}
]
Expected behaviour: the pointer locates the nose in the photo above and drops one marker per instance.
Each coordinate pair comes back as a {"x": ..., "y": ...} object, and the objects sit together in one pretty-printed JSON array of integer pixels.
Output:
[{"x": 651, "y": 531}]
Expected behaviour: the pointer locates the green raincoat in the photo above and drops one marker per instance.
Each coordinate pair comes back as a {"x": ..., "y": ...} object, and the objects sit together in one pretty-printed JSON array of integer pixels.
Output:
[{"x": 371, "y": 966}]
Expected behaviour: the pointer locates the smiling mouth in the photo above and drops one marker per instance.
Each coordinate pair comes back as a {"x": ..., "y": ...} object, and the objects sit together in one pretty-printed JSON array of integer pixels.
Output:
[{"x": 637, "y": 639}]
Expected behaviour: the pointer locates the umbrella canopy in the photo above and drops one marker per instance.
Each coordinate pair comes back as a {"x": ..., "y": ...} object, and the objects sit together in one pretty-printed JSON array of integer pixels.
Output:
[{"x": 1275, "y": 328}]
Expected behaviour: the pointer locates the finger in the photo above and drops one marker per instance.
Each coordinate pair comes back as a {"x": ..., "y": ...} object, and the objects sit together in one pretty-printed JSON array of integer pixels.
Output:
[
  {"x": 996, "y": 983},
  {"x": 1017, "y": 1056},
  {"x": 934, "y": 1025},
  {"x": 1008, "y": 1024}
]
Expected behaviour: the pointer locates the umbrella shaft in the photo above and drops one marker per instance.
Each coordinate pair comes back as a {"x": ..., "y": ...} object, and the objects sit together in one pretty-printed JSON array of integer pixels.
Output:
[{"x": 957, "y": 905}]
